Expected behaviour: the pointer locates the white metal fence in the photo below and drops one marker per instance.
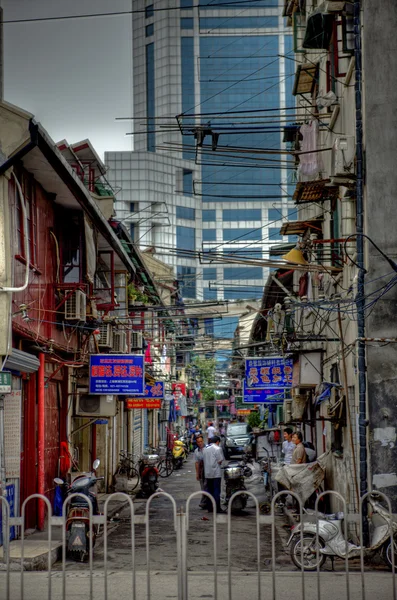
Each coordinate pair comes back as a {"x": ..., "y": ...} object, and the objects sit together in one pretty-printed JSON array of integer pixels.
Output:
[{"x": 264, "y": 584}]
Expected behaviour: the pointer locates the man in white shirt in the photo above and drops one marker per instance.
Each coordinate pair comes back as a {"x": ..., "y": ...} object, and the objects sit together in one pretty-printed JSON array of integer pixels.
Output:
[
  {"x": 213, "y": 458},
  {"x": 211, "y": 431},
  {"x": 288, "y": 446}
]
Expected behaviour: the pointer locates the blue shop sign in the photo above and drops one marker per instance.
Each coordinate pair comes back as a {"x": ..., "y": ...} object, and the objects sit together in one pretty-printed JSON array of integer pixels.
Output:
[
  {"x": 118, "y": 374},
  {"x": 273, "y": 372},
  {"x": 154, "y": 391},
  {"x": 10, "y": 496},
  {"x": 264, "y": 396}
]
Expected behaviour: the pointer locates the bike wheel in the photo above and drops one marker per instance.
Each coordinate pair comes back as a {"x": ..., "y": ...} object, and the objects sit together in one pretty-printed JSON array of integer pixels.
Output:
[
  {"x": 166, "y": 467},
  {"x": 134, "y": 475},
  {"x": 386, "y": 554},
  {"x": 308, "y": 553}
]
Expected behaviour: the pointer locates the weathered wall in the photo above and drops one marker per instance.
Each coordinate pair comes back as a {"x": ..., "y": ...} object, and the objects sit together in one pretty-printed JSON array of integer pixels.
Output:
[{"x": 380, "y": 127}]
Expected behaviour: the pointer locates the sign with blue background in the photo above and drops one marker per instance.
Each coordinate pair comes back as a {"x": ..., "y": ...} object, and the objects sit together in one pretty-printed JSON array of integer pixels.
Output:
[
  {"x": 154, "y": 391},
  {"x": 264, "y": 396},
  {"x": 272, "y": 372},
  {"x": 122, "y": 374}
]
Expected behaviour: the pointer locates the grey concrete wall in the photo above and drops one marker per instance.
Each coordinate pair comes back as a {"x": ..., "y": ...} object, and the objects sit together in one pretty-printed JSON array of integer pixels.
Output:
[{"x": 380, "y": 130}]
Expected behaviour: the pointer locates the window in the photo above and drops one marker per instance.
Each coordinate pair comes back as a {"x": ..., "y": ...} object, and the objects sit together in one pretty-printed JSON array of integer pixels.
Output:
[
  {"x": 225, "y": 327},
  {"x": 104, "y": 281},
  {"x": 184, "y": 212},
  {"x": 275, "y": 214},
  {"x": 209, "y": 215},
  {"x": 150, "y": 98},
  {"x": 70, "y": 247},
  {"x": 187, "y": 182},
  {"x": 274, "y": 234},
  {"x": 253, "y": 252},
  {"x": 238, "y": 22},
  {"x": 242, "y": 235},
  {"x": 149, "y": 11},
  {"x": 186, "y": 23},
  {"x": 132, "y": 231},
  {"x": 188, "y": 90},
  {"x": 241, "y": 293},
  {"x": 185, "y": 241},
  {"x": 30, "y": 189},
  {"x": 249, "y": 214},
  {"x": 242, "y": 272},
  {"x": 149, "y": 30},
  {"x": 209, "y": 274},
  {"x": 187, "y": 281},
  {"x": 209, "y": 235},
  {"x": 292, "y": 214},
  {"x": 209, "y": 326},
  {"x": 209, "y": 294},
  {"x": 132, "y": 207}
]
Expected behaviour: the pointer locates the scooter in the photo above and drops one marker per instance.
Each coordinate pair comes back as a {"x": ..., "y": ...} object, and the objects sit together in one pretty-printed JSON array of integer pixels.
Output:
[
  {"x": 179, "y": 453},
  {"x": 149, "y": 474},
  {"x": 77, "y": 519},
  {"x": 332, "y": 542},
  {"x": 235, "y": 473}
]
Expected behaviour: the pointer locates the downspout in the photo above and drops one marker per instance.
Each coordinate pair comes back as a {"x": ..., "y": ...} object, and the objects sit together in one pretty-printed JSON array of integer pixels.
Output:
[
  {"x": 360, "y": 297},
  {"x": 40, "y": 441}
]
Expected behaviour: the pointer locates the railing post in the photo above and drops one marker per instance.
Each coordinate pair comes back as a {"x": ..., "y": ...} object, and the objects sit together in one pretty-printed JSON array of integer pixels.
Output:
[{"x": 181, "y": 554}]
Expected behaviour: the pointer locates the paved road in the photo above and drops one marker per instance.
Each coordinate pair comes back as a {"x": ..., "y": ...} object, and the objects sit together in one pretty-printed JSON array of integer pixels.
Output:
[{"x": 163, "y": 555}]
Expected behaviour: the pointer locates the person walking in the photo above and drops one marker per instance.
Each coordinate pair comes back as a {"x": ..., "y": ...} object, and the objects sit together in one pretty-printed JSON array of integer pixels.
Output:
[
  {"x": 196, "y": 433},
  {"x": 299, "y": 454},
  {"x": 199, "y": 464},
  {"x": 213, "y": 458},
  {"x": 288, "y": 446},
  {"x": 211, "y": 431}
]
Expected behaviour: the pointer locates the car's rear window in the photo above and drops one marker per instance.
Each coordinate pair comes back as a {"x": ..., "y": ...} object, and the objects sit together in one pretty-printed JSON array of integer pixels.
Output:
[{"x": 237, "y": 429}]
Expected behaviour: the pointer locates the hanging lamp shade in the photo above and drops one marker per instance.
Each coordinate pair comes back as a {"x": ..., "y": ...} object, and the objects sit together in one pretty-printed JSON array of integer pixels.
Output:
[{"x": 295, "y": 256}]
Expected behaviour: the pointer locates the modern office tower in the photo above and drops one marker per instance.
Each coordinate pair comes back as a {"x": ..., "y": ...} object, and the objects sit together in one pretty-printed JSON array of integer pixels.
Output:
[{"x": 198, "y": 182}]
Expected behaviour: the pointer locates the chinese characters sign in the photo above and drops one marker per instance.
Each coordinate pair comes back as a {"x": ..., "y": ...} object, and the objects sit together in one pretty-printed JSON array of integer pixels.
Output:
[
  {"x": 263, "y": 396},
  {"x": 154, "y": 391},
  {"x": 116, "y": 374},
  {"x": 151, "y": 403},
  {"x": 178, "y": 389},
  {"x": 274, "y": 372}
]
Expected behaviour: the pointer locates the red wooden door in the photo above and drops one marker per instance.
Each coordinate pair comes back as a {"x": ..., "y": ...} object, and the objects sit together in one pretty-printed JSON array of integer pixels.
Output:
[{"x": 29, "y": 449}]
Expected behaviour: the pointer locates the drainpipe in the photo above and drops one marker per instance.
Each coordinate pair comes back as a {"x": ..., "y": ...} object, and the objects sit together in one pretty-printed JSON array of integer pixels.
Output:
[
  {"x": 40, "y": 436},
  {"x": 360, "y": 301}
]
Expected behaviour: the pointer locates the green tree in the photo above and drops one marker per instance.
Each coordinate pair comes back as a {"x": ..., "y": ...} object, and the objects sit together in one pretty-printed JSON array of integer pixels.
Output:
[{"x": 205, "y": 368}]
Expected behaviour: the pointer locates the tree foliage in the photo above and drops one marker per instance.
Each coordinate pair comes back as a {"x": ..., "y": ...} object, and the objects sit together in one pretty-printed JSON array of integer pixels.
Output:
[{"x": 205, "y": 368}]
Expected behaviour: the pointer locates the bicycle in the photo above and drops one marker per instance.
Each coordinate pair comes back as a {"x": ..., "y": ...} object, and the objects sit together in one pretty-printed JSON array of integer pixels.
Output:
[
  {"x": 127, "y": 467},
  {"x": 166, "y": 465}
]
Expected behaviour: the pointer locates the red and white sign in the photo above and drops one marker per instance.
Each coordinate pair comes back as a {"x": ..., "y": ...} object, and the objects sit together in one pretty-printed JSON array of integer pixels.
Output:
[
  {"x": 133, "y": 403},
  {"x": 179, "y": 389}
]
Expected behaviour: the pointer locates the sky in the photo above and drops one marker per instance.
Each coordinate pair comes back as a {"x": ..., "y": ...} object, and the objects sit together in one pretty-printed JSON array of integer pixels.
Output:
[{"x": 75, "y": 76}]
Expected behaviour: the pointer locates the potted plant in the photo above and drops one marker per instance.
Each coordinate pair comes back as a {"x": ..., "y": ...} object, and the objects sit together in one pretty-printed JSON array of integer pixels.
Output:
[{"x": 254, "y": 421}]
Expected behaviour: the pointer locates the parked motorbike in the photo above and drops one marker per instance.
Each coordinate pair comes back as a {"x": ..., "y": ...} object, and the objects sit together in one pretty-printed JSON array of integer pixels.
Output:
[
  {"x": 77, "y": 519},
  {"x": 179, "y": 453},
  {"x": 235, "y": 473},
  {"x": 332, "y": 542},
  {"x": 149, "y": 474}
]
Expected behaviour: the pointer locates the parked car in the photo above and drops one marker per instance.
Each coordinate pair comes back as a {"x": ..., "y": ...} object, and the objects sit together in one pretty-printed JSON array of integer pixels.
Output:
[{"x": 238, "y": 435}]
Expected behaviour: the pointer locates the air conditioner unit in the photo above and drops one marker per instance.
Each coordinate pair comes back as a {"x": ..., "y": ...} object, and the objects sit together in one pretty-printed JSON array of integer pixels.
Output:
[
  {"x": 119, "y": 342},
  {"x": 90, "y": 405},
  {"x": 287, "y": 411},
  {"x": 343, "y": 155},
  {"x": 298, "y": 406},
  {"x": 106, "y": 337},
  {"x": 75, "y": 305},
  {"x": 136, "y": 340}
]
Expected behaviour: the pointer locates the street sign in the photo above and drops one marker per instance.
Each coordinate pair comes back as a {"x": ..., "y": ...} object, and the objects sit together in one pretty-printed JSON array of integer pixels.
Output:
[
  {"x": 5, "y": 382},
  {"x": 154, "y": 390},
  {"x": 262, "y": 396},
  {"x": 117, "y": 374},
  {"x": 272, "y": 372},
  {"x": 150, "y": 403}
]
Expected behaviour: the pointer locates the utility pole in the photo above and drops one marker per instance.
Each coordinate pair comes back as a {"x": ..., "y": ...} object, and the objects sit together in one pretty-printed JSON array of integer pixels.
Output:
[{"x": 4, "y": 512}]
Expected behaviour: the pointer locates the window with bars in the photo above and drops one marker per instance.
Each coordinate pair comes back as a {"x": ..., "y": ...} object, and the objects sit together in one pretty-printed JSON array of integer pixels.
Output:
[{"x": 30, "y": 189}]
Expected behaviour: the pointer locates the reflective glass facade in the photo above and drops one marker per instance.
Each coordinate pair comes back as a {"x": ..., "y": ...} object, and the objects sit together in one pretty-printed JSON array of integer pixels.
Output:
[
  {"x": 185, "y": 240},
  {"x": 242, "y": 272},
  {"x": 187, "y": 281},
  {"x": 240, "y": 74},
  {"x": 150, "y": 98},
  {"x": 184, "y": 212},
  {"x": 240, "y": 234},
  {"x": 248, "y": 214},
  {"x": 209, "y": 215},
  {"x": 209, "y": 235},
  {"x": 237, "y": 22},
  {"x": 187, "y": 83}
]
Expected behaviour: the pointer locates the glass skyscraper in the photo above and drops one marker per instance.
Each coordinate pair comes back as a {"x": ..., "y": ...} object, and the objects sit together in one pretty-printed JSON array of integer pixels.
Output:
[{"x": 225, "y": 69}]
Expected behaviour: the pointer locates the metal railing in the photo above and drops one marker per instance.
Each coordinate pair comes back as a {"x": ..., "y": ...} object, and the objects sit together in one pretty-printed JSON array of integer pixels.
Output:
[{"x": 264, "y": 583}]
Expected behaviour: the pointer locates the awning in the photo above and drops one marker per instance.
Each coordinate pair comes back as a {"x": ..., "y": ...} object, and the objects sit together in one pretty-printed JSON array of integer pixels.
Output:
[
  {"x": 305, "y": 78},
  {"x": 22, "y": 361},
  {"x": 300, "y": 227},
  {"x": 315, "y": 191}
]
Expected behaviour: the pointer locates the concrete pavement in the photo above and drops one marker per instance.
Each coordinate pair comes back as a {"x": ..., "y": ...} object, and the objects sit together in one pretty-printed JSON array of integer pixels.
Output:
[{"x": 200, "y": 585}]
